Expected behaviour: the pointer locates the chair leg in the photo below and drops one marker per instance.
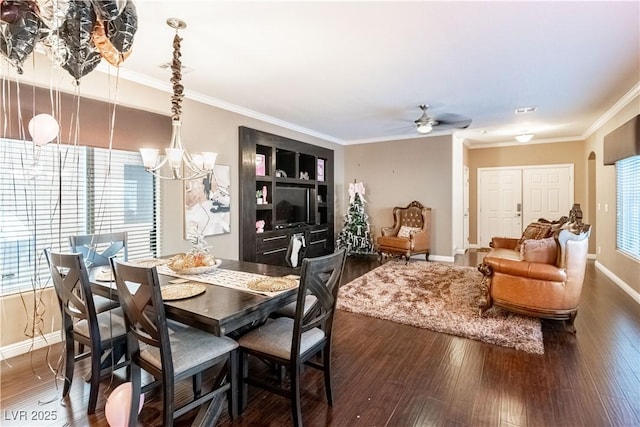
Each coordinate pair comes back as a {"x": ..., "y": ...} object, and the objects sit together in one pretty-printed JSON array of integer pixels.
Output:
[
  {"x": 95, "y": 379},
  {"x": 167, "y": 400},
  {"x": 233, "y": 380},
  {"x": 296, "y": 406},
  {"x": 69, "y": 364},
  {"x": 244, "y": 387},
  {"x": 326, "y": 359},
  {"x": 136, "y": 386},
  {"x": 569, "y": 322}
]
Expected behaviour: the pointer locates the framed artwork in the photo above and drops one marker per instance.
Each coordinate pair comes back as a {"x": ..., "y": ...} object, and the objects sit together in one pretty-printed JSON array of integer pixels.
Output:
[
  {"x": 260, "y": 164},
  {"x": 207, "y": 203},
  {"x": 320, "y": 172}
]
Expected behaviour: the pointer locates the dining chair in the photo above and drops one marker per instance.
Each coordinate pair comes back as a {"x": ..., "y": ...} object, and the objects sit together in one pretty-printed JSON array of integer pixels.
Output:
[
  {"x": 97, "y": 249},
  {"x": 104, "y": 333},
  {"x": 185, "y": 353},
  {"x": 292, "y": 343}
]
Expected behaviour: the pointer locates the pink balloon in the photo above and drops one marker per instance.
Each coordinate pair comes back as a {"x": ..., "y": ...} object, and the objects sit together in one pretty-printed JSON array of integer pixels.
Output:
[
  {"x": 117, "y": 408},
  {"x": 43, "y": 129}
]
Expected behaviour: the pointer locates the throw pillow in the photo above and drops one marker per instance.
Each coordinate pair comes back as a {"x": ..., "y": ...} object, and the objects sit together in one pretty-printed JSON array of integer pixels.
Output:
[
  {"x": 541, "y": 250},
  {"x": 407, "y": 231},
  {"x": 535, "y": 230}
]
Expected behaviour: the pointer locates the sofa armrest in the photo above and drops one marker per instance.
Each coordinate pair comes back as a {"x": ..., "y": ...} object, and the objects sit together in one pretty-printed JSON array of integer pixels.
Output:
[
  {"x": 504, "y": 242},
  {"x": 531, "y": 270},
  {"x": 388, "y": 231},
  {"x": 419, "y": 240}
]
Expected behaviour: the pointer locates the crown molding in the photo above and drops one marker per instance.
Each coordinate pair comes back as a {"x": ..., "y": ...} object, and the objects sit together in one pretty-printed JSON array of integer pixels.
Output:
[
  {"x": 520, "y": 144},
  {"x": 615, "y": 109}
]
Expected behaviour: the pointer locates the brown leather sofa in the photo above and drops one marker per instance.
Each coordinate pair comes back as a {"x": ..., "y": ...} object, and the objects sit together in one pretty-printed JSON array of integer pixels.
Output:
[
  {"x": 410, "y": 233},
  {"x": 540, "y": 277}
]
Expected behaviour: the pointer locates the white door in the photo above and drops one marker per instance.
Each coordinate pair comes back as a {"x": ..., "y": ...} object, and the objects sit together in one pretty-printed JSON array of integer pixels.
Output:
[
  {"x": 465, "y": 225},
  {"x": 499, "y": 204},
  {"x": 546, "y": 192}
]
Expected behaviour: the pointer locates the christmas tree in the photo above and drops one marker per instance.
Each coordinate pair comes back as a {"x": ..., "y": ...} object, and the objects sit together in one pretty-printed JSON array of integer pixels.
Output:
[{"x": 355, "y": 235}]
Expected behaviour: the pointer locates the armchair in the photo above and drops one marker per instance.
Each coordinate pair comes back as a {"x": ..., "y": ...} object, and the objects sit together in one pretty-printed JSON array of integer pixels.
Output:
[
  {"x": 542, "y": 277},
  {"x": 410, "y": 233}
]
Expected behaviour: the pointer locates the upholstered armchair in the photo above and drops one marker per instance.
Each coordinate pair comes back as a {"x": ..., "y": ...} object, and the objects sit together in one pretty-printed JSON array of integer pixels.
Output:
[
  {"x": 541, "y": 274},
  {"x": 410, "y": 233}
]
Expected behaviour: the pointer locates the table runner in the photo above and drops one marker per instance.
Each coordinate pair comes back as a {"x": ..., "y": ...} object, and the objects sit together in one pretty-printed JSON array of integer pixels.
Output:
[{"x": 221, "y": 277}]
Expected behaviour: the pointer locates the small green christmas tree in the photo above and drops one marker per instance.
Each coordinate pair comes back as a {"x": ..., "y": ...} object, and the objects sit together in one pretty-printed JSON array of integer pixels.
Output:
[{"x": 356, "y": 235}]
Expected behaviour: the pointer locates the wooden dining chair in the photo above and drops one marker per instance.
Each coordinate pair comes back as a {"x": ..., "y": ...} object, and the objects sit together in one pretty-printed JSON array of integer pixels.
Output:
[
  {"x": 97, "y": 249},
  {"x": 104, "y": 333},
  {"x": 293, "y": 342},
  {"x": 185, "y": 353}
]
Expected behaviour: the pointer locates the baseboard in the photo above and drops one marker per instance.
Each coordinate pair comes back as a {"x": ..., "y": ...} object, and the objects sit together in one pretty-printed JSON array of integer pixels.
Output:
[
  {"x": 460, "y": 251},
  {"x": 618, "y": 281},
  {"x": 440, "y": 258},
  {"x": 22, "y": 347},
  {"x": 474, "y": 246},
  {"x": 591, "y": 256}
]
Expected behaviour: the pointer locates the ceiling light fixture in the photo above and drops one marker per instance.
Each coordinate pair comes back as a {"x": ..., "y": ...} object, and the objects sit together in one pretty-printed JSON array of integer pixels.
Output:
[
  {"x": 184, "y": 166},
  {"x": 425, "y": 123},
  {"x": 524, "y": 137},
  {"x": 523, "y": 110}
]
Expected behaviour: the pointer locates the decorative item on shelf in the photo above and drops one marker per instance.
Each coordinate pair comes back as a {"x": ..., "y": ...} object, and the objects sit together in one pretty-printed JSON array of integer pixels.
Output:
[
  {"x": 178, "y": 159},
  {"x": 304, "y": 175},
  {"x": 320, "y": 173},
  {"x": 280, "y": 173},
  {"x": 259, "y": 199},
  {"x": 260, "y": 226},
  {"x": 260, "y": 165},
  {"x": 265, "y": 200},
  {"x": 319, "y": 198}
]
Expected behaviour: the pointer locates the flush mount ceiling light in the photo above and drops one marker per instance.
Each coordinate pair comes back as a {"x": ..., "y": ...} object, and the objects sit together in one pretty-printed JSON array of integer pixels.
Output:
[
  {"x": 524, "y": 137},
  {"x": 523, "y": 110},
  {"x": 183, "y": 165}
]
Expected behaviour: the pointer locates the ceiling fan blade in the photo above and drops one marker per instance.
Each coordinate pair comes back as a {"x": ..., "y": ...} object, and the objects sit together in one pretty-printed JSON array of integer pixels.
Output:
[{"x": 452, "y": 121}]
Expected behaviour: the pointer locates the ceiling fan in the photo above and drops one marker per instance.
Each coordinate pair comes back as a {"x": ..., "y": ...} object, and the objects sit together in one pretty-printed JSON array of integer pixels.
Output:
[{"x": 426, "y": 123}]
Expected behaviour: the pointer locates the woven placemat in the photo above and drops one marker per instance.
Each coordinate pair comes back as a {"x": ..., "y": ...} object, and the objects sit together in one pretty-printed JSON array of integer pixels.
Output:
[
  {"x": 272, "y": 284},
  {"x": 177, "y": 291}
]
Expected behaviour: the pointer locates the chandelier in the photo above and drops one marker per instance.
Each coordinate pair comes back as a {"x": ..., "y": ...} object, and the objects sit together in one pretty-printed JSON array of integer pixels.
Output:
[{"x": 184, "y": 166}]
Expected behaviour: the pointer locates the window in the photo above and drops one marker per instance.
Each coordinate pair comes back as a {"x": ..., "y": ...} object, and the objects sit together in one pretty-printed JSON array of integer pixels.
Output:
[
  {"x": 628, "y": 206},
  {"x": 58, "y": 190}
]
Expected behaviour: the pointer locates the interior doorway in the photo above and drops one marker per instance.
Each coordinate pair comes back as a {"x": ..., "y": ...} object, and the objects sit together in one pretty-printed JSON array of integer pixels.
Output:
[{"x": 511, "y": 197}]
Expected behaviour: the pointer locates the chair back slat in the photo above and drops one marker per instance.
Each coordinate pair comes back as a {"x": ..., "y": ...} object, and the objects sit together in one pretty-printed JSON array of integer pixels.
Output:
[
  {"x": 141, "y": 302},
  {"x": 320, "y": 277},
  {"x": 71, "y": 282},
  {"x": 98, "y": 248}
]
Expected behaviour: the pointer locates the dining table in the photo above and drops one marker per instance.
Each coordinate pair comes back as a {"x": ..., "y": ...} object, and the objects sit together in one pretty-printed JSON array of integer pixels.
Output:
[{"x": 220, "y": 310}]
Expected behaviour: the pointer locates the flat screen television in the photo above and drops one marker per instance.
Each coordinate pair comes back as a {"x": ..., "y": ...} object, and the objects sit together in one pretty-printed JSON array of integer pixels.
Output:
[{"x": 293, "y": 206}]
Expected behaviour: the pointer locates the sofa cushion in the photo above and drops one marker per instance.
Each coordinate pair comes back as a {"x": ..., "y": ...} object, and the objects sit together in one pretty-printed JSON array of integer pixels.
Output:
[
  {"x": 540, "y": 250},
  {"x": 535, "y": 230},
  {"x": 406, "y": 231}
]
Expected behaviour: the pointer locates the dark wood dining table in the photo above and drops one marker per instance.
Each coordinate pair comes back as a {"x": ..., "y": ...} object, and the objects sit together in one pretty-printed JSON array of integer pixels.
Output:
[{"x": 220, "y": 310}]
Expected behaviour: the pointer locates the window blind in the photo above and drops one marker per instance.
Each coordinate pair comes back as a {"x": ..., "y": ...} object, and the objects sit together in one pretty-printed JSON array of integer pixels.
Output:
[
  {"x": 52, "y": 192},
  {"x": 628, "y": 206}
]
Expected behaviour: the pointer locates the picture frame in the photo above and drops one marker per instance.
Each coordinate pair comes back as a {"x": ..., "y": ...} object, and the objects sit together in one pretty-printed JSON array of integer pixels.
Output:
[
  {"x": 320, "y": 170},
  {"x": 207, "y": 203},
  {"x": 260, "y": 165}
]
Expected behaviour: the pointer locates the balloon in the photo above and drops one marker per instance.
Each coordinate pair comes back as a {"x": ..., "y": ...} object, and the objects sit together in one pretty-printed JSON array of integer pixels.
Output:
[
  {"x": 43, "y": 129},
  {"x": 53, "y": 12},
  {"x": 118, "y": 403},
  {"x": 106, "y": 49},
  {"x": 76, "y": 31},
  {"x": 108, "y": 10},
  {"x": 121, "y": 30},
  {"x": 19, "y": 31},
  {"x": 56, "y": 49}
]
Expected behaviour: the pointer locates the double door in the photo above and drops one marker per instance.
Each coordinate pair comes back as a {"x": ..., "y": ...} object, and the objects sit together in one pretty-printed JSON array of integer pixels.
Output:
[{"x": 513, "y": 197}]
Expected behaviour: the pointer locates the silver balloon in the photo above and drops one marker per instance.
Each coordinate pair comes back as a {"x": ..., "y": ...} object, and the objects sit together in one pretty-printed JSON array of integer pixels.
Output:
[
  {"x": 56, "y": 49},
  {"x": 108, "y": 10},
  {"x": 53, "y": 12}
]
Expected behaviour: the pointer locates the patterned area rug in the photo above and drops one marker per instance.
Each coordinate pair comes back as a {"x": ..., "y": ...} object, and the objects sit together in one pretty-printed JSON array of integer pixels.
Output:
[{"x": 439, "y": 297}]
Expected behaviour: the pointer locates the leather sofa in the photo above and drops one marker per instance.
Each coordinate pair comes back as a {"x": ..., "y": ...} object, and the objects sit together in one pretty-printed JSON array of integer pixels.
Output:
[{"x": 539, "y": 277}]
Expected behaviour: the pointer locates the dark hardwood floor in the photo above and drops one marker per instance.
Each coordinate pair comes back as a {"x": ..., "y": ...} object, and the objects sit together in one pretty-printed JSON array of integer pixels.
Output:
[{"x": 387, "y": 374}]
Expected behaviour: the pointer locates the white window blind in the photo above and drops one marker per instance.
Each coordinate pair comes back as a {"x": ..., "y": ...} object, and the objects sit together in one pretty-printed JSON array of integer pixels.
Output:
[
  {"x": 628, "y": 206},
  {"x": 50, "y": 193}
]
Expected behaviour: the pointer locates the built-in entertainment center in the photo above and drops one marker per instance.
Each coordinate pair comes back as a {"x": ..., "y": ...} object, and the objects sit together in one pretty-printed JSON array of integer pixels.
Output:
[{"x": 286, "y": 189}]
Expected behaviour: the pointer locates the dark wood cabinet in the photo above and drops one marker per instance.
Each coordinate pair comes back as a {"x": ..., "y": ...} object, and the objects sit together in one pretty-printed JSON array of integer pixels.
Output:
[{"x": 288, "y": 184}]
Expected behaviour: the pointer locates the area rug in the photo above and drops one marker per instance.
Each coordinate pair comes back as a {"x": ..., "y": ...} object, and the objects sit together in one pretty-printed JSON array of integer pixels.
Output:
[{"x": 440, "y": 297}]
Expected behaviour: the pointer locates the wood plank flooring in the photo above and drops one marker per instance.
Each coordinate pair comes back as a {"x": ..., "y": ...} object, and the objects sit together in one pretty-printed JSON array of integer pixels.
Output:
[{"x": 387, "y": 374}]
